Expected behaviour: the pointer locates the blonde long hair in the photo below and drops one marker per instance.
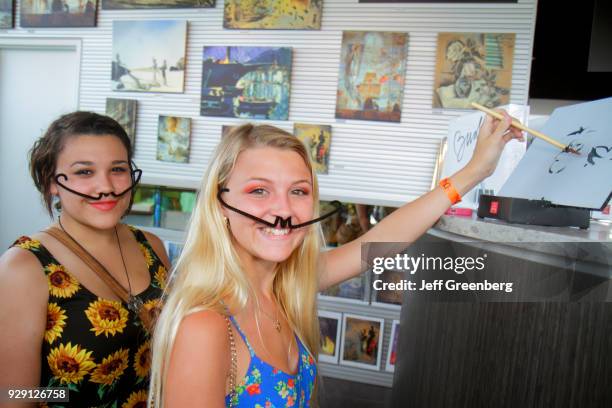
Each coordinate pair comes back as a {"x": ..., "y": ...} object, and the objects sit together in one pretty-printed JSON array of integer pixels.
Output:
[{"x": 209, "y": 271}]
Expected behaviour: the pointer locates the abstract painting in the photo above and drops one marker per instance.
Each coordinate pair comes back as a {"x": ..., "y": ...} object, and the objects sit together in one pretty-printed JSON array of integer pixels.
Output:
[
  {"x": 246, "y": 82},
  {"x": 392, "y": 353},
  {"x": 7, "y": 9},
  {"x": 273, "y": 14},
  {"x": 173, "y": 134},
  {"x": 361, "y": 341},
  {"x": 473, "y": 67},
  {"x": 153, "y": 4},
  {"x": 317, "y": 139},
  {"x": 58, "y": 13},
  {"x": 371, "y": 78},
  {"x": 329, "y": 324},
  {"x": 148, "y": 55},
  {"x": 352, "y": 290},
  {"x": 124, "y": 112}
]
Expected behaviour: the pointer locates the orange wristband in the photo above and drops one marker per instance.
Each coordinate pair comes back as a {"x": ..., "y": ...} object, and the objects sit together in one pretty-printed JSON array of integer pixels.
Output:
[{"x": 450, "y": 191}]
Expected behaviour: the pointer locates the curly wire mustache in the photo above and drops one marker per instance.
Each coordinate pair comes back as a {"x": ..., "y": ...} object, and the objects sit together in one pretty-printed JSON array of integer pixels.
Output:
[
  {"x": 279, "y": 221},
  {"x": 136, "y": 174}
]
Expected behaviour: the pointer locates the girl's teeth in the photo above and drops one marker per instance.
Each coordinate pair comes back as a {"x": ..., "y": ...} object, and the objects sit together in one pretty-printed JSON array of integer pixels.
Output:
[{"x": 275, "y": 231}]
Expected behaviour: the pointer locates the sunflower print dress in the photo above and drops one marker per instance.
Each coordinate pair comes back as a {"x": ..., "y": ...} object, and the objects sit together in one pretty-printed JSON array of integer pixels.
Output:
[{"x": 97, "y": 348}]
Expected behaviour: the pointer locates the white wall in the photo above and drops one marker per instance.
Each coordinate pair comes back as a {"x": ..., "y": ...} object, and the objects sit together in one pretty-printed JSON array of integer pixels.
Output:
[{"x": 372, "y": 162}]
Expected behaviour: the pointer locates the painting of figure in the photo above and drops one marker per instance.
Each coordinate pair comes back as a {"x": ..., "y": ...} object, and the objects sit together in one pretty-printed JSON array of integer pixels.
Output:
[
  {"x": 148, "y": 55},
  {"x": 246, "y": 82},
  {"x": 392, "y": 353},
  {"x": 329, "y": 325},
  {"x": 361, "y": 341},
  {"x": 6, "y": 14},
  {"x": 173, "y": 134},
  {"x": 58, "y": 13},
  {"x": 317, "y": 139},
  {"x": 371, "y": 78},
  {"x": 124, "y": 112},
  {"x": 155, "y": 4},
  {"x": 273, "y": 14},
  {"x": 473, "y": 67}
]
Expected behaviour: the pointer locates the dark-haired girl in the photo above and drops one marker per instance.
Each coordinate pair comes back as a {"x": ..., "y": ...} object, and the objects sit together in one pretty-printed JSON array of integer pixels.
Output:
[{"x": 61, "y": 323}]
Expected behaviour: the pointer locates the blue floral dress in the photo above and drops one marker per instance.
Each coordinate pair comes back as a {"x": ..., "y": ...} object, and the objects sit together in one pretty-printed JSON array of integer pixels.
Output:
[{"x": 267, "y": 387}]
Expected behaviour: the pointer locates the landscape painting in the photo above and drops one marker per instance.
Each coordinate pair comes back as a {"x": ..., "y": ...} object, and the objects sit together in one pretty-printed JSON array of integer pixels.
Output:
[
  {"x": 173, "y": 134},
  {"x": 7, "y": 19},
  {"x": 473, "y": 67},
  {"x": 317, "y": 139},
  {"x": 246, "y": 82},
  {"x": 155, "y": 4},
  {"x": 124, "y": 112},
  {"x": 371, "y": 77},
  {"x": 273, "y": 14},
  {"x": 148, "y": 55},
  {"x": 58, "y": 13}
]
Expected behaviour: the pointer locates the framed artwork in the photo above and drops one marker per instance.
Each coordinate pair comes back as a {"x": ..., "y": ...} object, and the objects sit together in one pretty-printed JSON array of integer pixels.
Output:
[
  {"x": 392, "y": 352},
  {"x": 273, "y": 14},
  {"x": 155, "y": 4},
  {"x": 371, "y": 78},
  {"x": 361, "y": 341},
  {"x": 330, "y": 324},
  {"x": 473, "y": 67},
  {"x": 317, "y": 139},
  {"x": 391, "y": 297},
  {"x": 58, "y": 13},
  {"x": 7, "y": 14},
  {"x": 352, "y": 290},
  {"x": 124, "y": 112},
  {"x": 246, "y": 82},
  {"x": 173, "y": 134},
  {"x": 174, "y": 250},
  {"x": 148, "y": 55}
]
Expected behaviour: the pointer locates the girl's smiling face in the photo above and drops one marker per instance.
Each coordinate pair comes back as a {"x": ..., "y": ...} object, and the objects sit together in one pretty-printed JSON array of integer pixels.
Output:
[{"x": 268, "y": 182}]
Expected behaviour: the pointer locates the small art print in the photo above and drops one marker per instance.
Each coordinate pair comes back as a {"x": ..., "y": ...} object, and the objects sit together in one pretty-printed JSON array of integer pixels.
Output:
[
  {"x": 148, "y": 55},
  {"x": 371, "y": 78},
  {"x": 7, "y": 14},
  {"x": 438, "y": 1},
  {"x": 392, "y": 353},
  {"x": 317, "y": 139},
  {"x": 173, "y": 139},
  {"x": 329, "y": 324},
  {"x": 361, "y": 341},
  {"x": 473, "y": 67},
  {"x": 246, "y": 82},
  {"x": 155, "y": 4},
  {"x": 58, "y": 13},
  {"x": 124, "y": 112},
  {"x": 273, "y": 14}
]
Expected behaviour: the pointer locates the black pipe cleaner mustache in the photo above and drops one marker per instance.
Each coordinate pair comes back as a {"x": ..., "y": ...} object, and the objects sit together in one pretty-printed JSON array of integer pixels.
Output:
[
  {"x": 136, "y": 174},
  {"x": 279, "y": 221}
]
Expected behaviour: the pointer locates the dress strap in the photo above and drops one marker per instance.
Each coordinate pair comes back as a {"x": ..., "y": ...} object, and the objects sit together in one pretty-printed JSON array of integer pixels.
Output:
[{"x": 244, "y": 337}]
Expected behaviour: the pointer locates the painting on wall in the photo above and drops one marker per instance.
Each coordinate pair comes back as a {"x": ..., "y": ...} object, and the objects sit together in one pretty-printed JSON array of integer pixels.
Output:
[
  {"x": 148, "y": 55},
  {"x": 246, "y": 82},
  {"x": 392, "y": 353},
  {"x": 58, "y": 13},
  {"x": 155, "y": 4},
  {"x": 317, "y": 139},
  {"x": 371, "y": 78},
  {"x": 7, "y": 16},
  {"x": 392, "y": 297},
  {"x": 173, "y": 134},
  {"x": 273, "y": 14},
  {"x": 473, "y": 67},
  {"x": 329, "y": 324},
  {"x": 361, "y": 341},
  {"x": 124, "y": 112},
  {"x": 352, "y": 290}
]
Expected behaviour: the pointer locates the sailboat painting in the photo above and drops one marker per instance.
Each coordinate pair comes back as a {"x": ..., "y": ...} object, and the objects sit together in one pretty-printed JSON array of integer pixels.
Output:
[
  {"x": 246, "y": 82},
  {"x": 371, "y": 78}
]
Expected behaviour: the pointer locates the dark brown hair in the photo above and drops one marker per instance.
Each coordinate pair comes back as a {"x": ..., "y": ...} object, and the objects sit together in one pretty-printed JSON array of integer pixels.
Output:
[{"x": 44, "y": 153}]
